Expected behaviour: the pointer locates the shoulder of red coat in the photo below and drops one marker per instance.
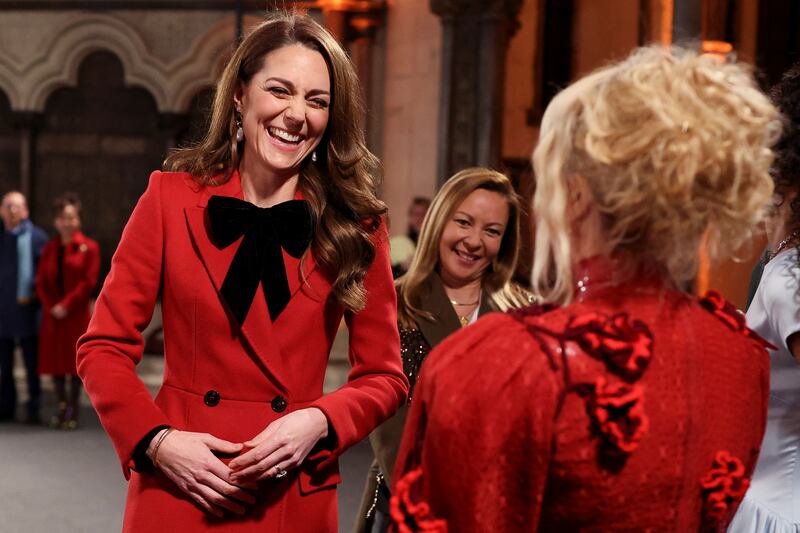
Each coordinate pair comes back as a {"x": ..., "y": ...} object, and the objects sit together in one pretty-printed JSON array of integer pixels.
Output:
[{"x": 170, "y": 180}]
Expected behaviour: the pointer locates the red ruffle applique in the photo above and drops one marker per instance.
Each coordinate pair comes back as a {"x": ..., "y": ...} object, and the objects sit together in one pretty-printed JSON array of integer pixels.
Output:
[
  {"x": 732, "y": 317},
  {"x": 618, "y": 411},
  {"x": 625, "y": 345},
  {"x": 532, "y": 310},
  {"x": 408, "y": 516},
  {"x": 723, "y": 486}
]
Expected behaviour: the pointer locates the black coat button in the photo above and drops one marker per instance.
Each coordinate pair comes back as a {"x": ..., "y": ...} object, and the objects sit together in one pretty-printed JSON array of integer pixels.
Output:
[
  {"x": 278, "y": 404},
  {"x": 211, "y": 398}
]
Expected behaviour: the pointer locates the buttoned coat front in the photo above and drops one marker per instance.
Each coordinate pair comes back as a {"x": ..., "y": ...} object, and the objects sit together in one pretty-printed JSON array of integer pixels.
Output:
[{"x": 226, "y": 380}]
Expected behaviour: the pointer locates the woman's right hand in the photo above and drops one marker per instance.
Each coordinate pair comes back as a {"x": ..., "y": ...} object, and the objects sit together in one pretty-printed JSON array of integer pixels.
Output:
[{"x": 187, "y": 459}]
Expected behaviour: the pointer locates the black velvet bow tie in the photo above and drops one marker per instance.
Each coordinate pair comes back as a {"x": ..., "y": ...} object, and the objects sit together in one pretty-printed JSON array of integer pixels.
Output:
[{"x": 288, "y": 225}]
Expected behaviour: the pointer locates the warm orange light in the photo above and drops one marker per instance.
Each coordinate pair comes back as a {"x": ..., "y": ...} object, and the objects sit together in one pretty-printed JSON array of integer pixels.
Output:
[
  {"x": 717, "y": 49},
  {"x": 363, "y": 24},
  {"x": 666, "y": 21},
  {"x": 703, "y": 281}
]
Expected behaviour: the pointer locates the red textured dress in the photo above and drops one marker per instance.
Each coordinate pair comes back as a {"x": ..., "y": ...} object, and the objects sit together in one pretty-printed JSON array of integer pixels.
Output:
[
  {"x": 635, "y": 408},
  {"x": 71, "y": 284}
]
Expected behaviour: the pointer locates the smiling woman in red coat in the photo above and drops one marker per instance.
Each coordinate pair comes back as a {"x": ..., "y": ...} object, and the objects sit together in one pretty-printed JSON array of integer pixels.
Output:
[
  {"x": 260, "y": 240},
  {"x": 65, "y": 280},
  {"x": 622, "y": 403}
]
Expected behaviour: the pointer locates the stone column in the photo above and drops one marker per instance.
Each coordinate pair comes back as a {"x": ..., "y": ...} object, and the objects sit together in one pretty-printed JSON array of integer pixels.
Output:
[
  {"x": 475, "y": 38},
  {"x": 718, "y": 20},
  {"x": 686, "y": 21},
  {"x": 28, "y": 124}
]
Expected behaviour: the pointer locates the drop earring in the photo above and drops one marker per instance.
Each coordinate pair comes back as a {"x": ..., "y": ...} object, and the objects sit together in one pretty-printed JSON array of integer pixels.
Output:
[
  {"x": 314, "y": 156},
  {"x": 239, "y": 130}
]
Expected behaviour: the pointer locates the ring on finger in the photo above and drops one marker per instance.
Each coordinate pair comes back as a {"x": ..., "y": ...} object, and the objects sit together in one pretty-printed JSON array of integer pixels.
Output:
[{"x": 280, "y": 473}]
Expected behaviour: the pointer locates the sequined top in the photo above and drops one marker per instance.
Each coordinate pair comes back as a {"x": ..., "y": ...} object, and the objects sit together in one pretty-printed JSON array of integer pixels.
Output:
[{"x": 413, "y": 349}]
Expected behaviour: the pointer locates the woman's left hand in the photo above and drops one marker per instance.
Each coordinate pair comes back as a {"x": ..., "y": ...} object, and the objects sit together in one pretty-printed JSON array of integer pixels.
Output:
[
  {"x": 282, "y": 446},
  {"x": 58, "y": 311}
]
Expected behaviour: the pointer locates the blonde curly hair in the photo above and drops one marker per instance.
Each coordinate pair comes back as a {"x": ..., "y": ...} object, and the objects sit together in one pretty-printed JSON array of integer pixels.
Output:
[{"x": 674, "y": 146}]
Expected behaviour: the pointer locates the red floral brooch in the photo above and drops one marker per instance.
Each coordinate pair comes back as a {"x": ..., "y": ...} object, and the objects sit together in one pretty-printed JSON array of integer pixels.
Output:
[
  {"x": 732, "y": 317},
  {"x": 723, "y": 486},
  {"x": 409, "y": 516},
  {"x": 618, "y": 412}
]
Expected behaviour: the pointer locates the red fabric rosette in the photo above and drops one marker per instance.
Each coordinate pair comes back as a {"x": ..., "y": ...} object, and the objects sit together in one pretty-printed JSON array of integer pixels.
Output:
[
  {"x": 625, "y": 345},
  {"x": 409, "y": 516},
  {"x": 723, "y": 486},
  {"x": 732, "y": 317}
]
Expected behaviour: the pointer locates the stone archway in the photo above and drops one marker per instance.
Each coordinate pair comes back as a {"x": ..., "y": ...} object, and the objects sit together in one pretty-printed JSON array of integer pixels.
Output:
[{"x": 100, "y": 139}]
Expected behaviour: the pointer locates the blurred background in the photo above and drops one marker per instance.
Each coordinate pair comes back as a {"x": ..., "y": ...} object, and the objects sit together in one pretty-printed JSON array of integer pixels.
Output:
[{"x": 93, "y": 93}]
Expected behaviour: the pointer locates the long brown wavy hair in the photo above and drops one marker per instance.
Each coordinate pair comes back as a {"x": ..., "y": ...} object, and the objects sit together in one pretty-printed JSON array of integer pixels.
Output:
[
  {"x": 340, "y": 186},
  {"x": 497, "y": 277}
]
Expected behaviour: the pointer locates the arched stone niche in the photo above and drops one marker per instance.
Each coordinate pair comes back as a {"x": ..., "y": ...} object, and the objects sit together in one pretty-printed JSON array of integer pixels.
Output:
[{"x": 28, "y": 78}]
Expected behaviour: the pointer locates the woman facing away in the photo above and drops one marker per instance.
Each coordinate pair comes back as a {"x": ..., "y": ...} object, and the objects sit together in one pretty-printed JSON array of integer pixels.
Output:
[
  {"x": 260, "y": 239},
  {"x": 772, "y": 504},
  {"x": 65, "y": 280},
  {"x": 462, "y": 269},
  {"x": 623, "y": 403}
]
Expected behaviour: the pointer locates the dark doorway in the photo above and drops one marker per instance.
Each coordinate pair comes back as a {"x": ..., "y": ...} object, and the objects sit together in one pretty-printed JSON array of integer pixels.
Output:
[
  {"x": 101, "y": 140},
  {"x": 9, "y": 148},
  {"x": 197, "y": 118},
  {"x": 778, "y": 38}
]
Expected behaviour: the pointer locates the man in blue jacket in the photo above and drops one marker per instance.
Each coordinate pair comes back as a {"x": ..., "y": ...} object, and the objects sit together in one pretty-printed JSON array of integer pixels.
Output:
[{"x": 20, "y": 247}]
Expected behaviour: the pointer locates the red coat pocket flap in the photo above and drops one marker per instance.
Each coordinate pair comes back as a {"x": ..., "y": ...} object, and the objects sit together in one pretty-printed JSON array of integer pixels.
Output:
[{"x": 316, "y": 476}]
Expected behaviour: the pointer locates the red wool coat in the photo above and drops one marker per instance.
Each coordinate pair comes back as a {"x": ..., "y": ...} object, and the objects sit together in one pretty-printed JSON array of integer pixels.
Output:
[
  {"x": 57, "y": 338},
  {"x": 635, "y": 408},
  {"x": 228, "y": 381}
]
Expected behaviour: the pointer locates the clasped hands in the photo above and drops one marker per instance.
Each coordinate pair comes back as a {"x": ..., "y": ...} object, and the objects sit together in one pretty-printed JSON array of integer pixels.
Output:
[{"x": 187, "y": 459}]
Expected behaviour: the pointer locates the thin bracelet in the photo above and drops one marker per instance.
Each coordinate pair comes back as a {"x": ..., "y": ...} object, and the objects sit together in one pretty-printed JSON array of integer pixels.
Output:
[{"x": 158, "y": 445}]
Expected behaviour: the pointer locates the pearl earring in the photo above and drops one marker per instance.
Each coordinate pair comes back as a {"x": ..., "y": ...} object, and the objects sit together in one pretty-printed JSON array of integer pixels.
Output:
[
  {"x": 239, "y": 130},
  {"x": 314, "y": 156}
]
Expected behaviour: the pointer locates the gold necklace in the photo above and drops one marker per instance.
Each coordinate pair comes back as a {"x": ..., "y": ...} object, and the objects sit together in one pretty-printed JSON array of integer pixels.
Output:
[
  {"x": 456, "y": 303},
  {"x": 464, "y": 319}
]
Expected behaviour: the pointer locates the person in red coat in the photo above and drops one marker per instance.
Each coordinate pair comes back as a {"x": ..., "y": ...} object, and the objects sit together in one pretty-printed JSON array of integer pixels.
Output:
[
  {"x": 65, "y": 280},
  {"x": 260, "y": 239},
  {"x": 621, "y": 403}
]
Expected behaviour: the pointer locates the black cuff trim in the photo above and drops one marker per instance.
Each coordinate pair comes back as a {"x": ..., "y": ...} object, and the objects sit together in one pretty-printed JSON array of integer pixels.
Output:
[{"x": 142, "y": 463}]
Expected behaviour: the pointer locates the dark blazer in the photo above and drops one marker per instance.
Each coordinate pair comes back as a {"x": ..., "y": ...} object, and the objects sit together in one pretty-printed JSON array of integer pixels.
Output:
[
  {"x": 385, "y": 439},
  {"x": 229, "y": 381},
  {"x": 17, "y": 319}
]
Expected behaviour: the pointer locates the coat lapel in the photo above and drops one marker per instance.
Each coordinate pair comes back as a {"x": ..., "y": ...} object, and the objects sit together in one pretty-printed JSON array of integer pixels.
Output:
[
  {"x": 257, "y": 329},
  {"x": 435, "y": 301},
  {"x": 487, "y": 304}
]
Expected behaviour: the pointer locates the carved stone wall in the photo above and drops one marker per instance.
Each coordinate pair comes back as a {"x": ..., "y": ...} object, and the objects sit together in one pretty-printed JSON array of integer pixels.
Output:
[
  {"x": 171, "y": 55},
  {"x": 90, "y": 102},
  {"x": 411, "y": 109}
]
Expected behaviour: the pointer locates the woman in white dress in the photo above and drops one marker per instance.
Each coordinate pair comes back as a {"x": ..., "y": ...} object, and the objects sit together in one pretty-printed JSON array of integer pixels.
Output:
[{"x": 772, "y": 504}]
